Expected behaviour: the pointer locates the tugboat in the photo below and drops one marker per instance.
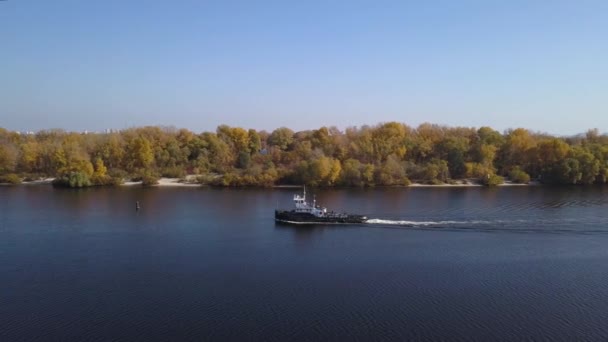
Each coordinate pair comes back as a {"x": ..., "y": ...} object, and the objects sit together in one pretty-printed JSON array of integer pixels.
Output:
[{"x": 306, "y": 213}]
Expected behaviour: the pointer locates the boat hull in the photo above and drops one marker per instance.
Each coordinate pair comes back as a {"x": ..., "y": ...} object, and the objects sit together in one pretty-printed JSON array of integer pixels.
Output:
[{"x": 293, "y": 217}]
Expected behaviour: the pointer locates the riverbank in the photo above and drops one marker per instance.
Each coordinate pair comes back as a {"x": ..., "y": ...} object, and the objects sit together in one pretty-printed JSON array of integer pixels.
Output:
[
  {"x": 162, "y": 182},
  {"x": 190, "y": 182},
  {"x": 471, "y": 184},
  {"x": 167, "y": 182}
]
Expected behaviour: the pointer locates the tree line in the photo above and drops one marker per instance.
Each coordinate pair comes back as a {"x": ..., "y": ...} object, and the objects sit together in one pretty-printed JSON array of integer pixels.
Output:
[{"x": 385, "y": 154}]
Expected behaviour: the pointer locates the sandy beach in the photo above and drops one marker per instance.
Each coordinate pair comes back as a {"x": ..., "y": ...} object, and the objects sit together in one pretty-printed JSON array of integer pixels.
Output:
[
  {"x": 171, "y": 182},
  {"x": 39, "y": 181},
  {"x": 175, "y": 182},
  {"x": 470, "y": 184}
]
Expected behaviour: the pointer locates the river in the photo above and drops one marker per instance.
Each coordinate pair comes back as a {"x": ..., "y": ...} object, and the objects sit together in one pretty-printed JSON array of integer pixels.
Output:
[{"x": 203, "y": 264}]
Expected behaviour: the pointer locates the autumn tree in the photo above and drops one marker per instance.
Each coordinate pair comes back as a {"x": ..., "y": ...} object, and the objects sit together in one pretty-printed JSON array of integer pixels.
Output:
[
  {"x": 281, "y": 138},
  {"x": 254, "y": 143},
  {"x": 516, "y": 151},
  {"x": 139, "y": 153},
  {"x": 386, "y": 154},
  {"x": 8, "y": 158}
]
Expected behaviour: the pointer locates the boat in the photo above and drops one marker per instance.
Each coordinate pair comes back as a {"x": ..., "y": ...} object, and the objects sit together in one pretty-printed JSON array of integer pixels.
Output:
[{"x": 311, "y": 213}]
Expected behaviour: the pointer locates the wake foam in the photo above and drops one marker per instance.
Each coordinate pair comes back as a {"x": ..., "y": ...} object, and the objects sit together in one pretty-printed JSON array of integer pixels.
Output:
[
  {"x": 423, "y": 223},
  {"x": 558, "y": 226}
]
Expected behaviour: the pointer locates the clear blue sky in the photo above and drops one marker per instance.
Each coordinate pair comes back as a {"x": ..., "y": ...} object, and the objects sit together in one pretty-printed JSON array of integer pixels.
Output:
[{"x": 102, "y": 64}]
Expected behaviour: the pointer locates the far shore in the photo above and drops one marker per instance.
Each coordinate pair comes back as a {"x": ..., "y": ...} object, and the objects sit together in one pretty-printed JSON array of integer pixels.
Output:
[
  {"x": 177, "y": 182},
  {"x": 165, "y": 182},
  {"x": 471, "y": 184}
]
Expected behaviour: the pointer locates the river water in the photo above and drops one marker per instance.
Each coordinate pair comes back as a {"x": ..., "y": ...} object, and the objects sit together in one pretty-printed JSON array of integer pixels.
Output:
[{"x": 512, "y": 263}]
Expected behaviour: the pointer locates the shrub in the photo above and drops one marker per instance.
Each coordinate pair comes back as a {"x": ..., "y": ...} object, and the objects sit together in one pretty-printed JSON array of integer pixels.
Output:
[
  {"x": 146, "y": 177},
  {"x": 229, "y": 179},
  {"x": 492, "y": 180},
  {"x": 206, "y": 179},
  {"x": 477, "y": 170},
  {"x": 10, "y": 178},
  {"x": 117, "y": 177},
  {"x": 106, "y": 180},
  {"x": 149, "y": 180},
  {"x": 73, "y": 180},
  {"x": 173, "y": 172},
  {"x": 244, "y": 160},
  {"x": 100, "y": 180},
  {"x": 519, "y": 176},
  {"x": 115, "y": 181},
  {"x": 118, "y": 173}
]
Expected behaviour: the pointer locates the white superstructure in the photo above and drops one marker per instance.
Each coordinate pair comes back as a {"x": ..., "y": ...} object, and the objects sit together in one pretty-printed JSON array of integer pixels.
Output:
[{"x": 303, "y": 207}]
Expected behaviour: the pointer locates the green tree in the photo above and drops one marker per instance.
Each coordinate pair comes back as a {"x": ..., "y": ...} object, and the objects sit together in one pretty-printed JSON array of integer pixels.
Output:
[
  {"x": 549, "y": 157},
  {"x": 436, "y": 171},
  {"x": 453, "y": 151},
  {"x": 351, "y": 173},
  {"x": 360, "y": 144},
  {"x": 281, "y": 138},
  {"x": 244, "y": 160},
  {"x": 567, "y": 171},
  {"x": 426, "y": 137},
  {"x": 589, "y": 166},
  {"x": 254, "y": 144},
  {"x": 73, "y": 179},
  {"x": 516, "y": 150},
  {"x": 519, "y": 176},
  {"x": 391, "y": 172},
  {"x": 221, "y": 157},
  {"x": 492, "y": 180}
]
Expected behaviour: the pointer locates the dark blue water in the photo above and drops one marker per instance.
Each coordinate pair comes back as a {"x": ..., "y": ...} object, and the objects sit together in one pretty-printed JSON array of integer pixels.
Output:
[{"x": 525, "y": 263}]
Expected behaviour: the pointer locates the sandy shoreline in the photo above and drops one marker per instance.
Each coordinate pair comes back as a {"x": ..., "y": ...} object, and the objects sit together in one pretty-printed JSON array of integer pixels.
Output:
[
  {"x": 469, "y": 184},
  {"x": 39, "y": 181},
  {"x": 175, "y": 182}
]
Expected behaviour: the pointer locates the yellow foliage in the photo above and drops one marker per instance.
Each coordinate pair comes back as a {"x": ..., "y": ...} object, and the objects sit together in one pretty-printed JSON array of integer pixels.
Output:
[{"x": 100, "y": 168}]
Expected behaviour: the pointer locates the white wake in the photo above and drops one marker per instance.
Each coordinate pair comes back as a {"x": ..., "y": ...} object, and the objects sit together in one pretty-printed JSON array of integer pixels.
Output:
[{"x": 423, "y": 223}]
